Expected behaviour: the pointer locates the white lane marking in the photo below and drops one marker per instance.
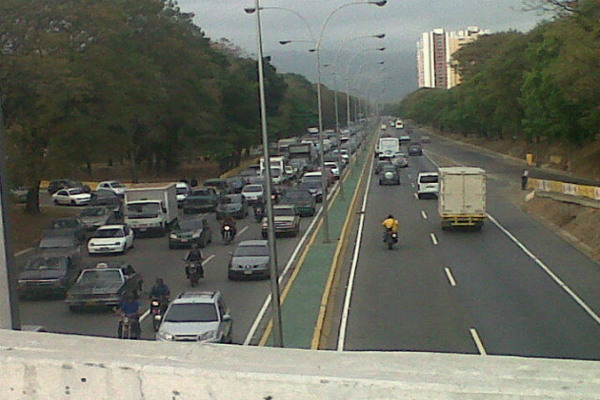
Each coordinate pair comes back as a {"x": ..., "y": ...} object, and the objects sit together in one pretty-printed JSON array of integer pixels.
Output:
[
  {"x": 358, "y": 243},
  {"x": 433, "y": 238},
  {"x": 548, "y": 271},
  {"x": 20, "y": 253},
  {"x": 423, "y": 214},
  {"x": 147, "y": 312},
  {"x": 409, "y": 176},
  {"x": 244, "y": 229},
  {"x": 412, "y": 184},
  {"x": 267, "y": 302},
  {"x": 416, "y": 196},
  {"x": 450, "y": 276},
  {"x": 478, "y": 342}
]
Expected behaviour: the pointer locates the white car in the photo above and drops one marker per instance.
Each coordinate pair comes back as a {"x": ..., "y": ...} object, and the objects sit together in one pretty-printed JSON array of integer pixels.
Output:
[
  {"x": 114, "y": 186},
  {"x": 333, "y": 166},
  {"x": 73, "y": 197},
  {"x": 428, "y": 184},
  {"x": 183, "y": 190},
  {"x": 345, "y": 156},
  {"x": 253, "y": 192},
  {"x": 111, "y": 239}
]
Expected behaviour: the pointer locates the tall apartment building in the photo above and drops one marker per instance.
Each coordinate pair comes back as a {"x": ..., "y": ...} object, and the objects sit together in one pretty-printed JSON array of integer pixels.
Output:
[{"x": 435, "y": 65}]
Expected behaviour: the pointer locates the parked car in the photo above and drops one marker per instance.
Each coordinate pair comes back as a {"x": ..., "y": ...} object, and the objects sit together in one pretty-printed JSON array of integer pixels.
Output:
[
  {"x": 415, "y": 149},
  {"x": 302, "y": 199},
  {"x": 236, "y": 184},
  {"x": 425, "y": 139},
  {"x": 253, "y": 193},
  {"x": 71, "y": 197},
  {"x": 197, "y": 317},
  {"x": 47, "y": 274},
  {"x": 389, "y": 175},
  {"x": 232, "y": 205},
  {"x": 188, "y": 231},
  {"x": 94, "y": 217},
  {"x": 56, "y": 184},
  {"x": 250, "y": 259},
  {"x": 111, "y": 239},
  {"x": 201, "y": 200},
  {"x": 68, "y": 226},
  {"x": 183, "y": 190},
  {"x": 19, "y": 194},
  {"x": 104, "y": 285},
  {"x": 285, "y": 220},
  {"x": 114, "y": 186},
  {"x": 59, "y": 242}
]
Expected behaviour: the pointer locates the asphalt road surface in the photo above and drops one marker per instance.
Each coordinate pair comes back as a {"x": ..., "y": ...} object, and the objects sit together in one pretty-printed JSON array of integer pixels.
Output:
[{"x": 514, "y": 288}]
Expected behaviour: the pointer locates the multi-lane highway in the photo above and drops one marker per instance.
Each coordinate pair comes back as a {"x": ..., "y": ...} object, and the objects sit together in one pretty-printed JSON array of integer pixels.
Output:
[
  {"x": 515, "y": 288},
  {"x": 152, "y": 257}
]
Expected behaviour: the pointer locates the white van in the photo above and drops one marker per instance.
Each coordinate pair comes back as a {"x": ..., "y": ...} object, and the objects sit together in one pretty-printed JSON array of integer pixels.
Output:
[{"x": 428, "y": 184}]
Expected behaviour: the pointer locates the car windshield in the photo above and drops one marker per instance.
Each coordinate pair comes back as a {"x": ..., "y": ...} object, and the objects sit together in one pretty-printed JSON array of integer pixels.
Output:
[
  {"x": 56, "y": 242},
  {"x": 64, "y": 223},
  {"x": 251, "y": 251},
  {"x": 100, "y": 277},
  {"x": 143, "y": 208},
  {"x": 109, "y": 233},
  {"x": 182, "y": 190},
  {"x": 283, "y": 212},
  {"x": 202, "y": 192},
  {"x": 253, "y": 189},
  {"x": 40, "y": 264},
  {"x": 190, "y": 224},
  {"x": 106, "y": 201},
  {"x": 75, "y": 191},
  {"x": 192, "y": 312},
  {"x": 94, "y": 212},
  {"x": 118, "y": 185}
]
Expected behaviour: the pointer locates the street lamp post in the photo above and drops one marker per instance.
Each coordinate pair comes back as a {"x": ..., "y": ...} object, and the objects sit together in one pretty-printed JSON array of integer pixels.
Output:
[
  {"x": 348, "y": 80},
  {"x": 317, "y": 51},
  {"x": 275, "y": 298}
]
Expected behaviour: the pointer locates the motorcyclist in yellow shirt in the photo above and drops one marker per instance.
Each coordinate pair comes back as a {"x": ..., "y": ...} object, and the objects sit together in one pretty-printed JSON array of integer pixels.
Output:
[{"x": 391, "y": 225}]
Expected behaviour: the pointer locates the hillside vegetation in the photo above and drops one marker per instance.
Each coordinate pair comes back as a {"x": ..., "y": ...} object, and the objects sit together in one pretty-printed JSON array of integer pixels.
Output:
[
  {"x": 542, "y": 87},
  {"x": 133, "y": 83}
]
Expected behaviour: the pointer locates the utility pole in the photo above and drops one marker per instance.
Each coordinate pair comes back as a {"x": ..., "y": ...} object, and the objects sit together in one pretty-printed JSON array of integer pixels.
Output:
[{"x": 9, "y": 313}]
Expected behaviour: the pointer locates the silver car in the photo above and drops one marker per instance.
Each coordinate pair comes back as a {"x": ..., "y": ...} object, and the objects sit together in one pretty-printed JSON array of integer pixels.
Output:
[
  {"x": 250, "y": 258},
  {"x": 197, "y": 316},
  {"x": 94, "y": 217}
]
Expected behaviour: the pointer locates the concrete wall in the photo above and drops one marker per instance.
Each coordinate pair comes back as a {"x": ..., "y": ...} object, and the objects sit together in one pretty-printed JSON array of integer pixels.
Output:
[{"x": 51, "y": 366}]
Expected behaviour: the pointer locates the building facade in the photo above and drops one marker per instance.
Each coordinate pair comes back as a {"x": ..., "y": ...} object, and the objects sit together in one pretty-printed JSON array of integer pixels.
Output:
[{"x": 435, "y": 64}]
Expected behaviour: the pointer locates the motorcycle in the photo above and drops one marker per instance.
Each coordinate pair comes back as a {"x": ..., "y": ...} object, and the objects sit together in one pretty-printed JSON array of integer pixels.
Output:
[
  {"x": 391, "y": 238},
  {"x": 228, "y": 234},
  {"x": 259, "y": 213},
  {"x": 195, "y": 271},
  {"x": 129, "y": 327},
  {"x": 156, "y": 310}
]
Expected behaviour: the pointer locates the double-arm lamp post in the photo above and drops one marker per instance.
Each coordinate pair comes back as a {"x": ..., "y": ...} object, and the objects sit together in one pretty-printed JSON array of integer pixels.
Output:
[{"x": 317, "y": 51}]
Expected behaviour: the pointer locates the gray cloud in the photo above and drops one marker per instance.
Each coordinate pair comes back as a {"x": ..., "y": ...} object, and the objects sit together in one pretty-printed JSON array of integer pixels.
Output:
[{"x": 402, "y": 20}]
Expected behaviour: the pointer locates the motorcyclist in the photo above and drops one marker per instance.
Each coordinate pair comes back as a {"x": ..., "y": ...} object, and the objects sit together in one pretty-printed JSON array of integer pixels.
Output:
[
  {"x": 391, "y": 225},
  {"x": 259, "y": 208},
  {"x": 228, "y": 221},
  {"x": 194, "y": 256},
  {"x": 161, "y": 292},
  {"x": 130, "y": 307}
]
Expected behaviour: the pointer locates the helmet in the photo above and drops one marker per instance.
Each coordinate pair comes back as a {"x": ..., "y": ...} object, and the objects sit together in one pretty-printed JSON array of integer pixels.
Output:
[
  {"x": 194, "y": 246},
  {"x": 159, "y": 281},
  {"x": 390, "y": 216}
]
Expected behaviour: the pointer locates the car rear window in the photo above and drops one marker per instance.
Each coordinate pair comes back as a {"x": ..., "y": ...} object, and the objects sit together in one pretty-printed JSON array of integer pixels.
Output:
[{"x": 428, "y": 179}]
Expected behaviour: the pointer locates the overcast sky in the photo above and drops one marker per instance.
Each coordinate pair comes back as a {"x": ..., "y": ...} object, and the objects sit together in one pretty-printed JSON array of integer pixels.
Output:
[{"x": 401, "y": 20}]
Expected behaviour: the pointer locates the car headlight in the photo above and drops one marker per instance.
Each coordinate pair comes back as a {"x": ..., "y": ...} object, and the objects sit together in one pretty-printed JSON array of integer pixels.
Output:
[
  {"x": 173, "y": 236},
  {"x": 165, "y": 336},
  {"x": 196, "y": 235},
  {"x": 209, "y": 335}
]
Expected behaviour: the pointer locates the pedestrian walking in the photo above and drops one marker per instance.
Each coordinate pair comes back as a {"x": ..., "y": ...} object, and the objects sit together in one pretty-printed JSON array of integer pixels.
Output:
[{"x": 524, "y": 178}]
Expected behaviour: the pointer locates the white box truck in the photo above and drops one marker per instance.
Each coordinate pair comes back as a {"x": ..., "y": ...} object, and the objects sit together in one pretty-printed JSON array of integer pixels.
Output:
[
  {"x": 389, "y": 147},
  {"x": 462, "y": 196},
  {"x": 151, "y": 207}
]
